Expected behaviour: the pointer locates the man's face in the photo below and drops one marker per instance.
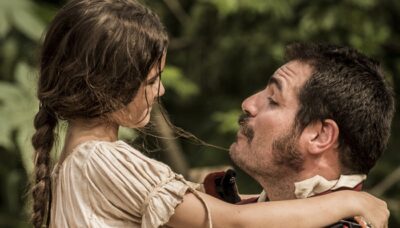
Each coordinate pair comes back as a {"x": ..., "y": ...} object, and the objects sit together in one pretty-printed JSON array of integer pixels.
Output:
[{"x": 267, "y": 144}]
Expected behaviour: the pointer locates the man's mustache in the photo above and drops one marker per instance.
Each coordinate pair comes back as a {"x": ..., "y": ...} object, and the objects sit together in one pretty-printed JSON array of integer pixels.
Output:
[{"x": 245, "y": 129}]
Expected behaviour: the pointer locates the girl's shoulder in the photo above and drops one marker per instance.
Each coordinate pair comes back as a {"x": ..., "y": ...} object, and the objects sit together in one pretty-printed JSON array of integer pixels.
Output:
[
  {"x": 117, "y": 156},
  {"x": 118, "y": 152}
]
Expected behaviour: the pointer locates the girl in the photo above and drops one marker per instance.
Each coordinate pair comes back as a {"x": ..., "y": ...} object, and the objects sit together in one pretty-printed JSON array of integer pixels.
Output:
[{"x": 100, "y": 68}]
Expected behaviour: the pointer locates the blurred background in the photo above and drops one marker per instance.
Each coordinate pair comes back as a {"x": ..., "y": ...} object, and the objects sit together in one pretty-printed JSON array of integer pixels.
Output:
[{"x": 220, "y": 52}]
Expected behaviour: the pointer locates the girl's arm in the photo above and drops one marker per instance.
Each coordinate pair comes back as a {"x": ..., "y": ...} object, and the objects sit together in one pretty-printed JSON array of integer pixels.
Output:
[
  {"x": 248, "y": 196},
  {"x": 312, "y": 212}
]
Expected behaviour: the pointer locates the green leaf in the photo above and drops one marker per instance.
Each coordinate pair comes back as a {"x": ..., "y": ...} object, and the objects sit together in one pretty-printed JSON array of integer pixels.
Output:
[
  {"x": 307, "y": 25},
  {"x": 23, "y": 139},
  {"x": 174, "y": 79},
  {"x": 25, "y": 77},
  {"x": 4, "y": 23},
  {"x": 227, "y": 121},
  {"x": 60, "y": 132},
  {"x": 16, "y": 111},
  {"x": 18, "y": 106},
  {"x": 8, "y": 6},
  {"x": 126, "y": 133},
  {"x": 28, "y": 24},
  {"x": 328, "y": 20},
  {"x": 365, "y": 3},
  {"x": 12, "y": 180},
  {"x": 8, "y": 91},
  {"x": 277, "y": 51},
  {"x": 225, "y": 7},
  {"x": 5, "y": 133},
  {"x": 9, "y": 52},
  {"x": 7, "y": 94}
]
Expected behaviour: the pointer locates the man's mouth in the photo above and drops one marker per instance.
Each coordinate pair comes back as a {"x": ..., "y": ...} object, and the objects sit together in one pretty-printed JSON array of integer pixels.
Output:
[
  {"x": 245, "y": 129},
  {"x": 247, "y": 132}
]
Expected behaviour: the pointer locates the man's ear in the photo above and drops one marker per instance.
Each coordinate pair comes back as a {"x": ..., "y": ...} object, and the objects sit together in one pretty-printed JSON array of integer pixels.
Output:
[{"x": 320, "y": 136}]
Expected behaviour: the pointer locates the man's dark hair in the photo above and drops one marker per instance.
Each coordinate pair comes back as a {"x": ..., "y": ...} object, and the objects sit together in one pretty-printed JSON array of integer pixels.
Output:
[{"x": 349, "y": 88}]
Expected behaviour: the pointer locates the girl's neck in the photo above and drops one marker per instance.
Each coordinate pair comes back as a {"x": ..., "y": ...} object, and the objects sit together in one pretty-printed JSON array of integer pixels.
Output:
[{"x": 83, "y": 130}]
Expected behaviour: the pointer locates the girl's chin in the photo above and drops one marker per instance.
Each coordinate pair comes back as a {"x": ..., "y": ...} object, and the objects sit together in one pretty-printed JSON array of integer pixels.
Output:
[
  {"x": 135, "y": 125},
  {"x": 144, "y": 121}
]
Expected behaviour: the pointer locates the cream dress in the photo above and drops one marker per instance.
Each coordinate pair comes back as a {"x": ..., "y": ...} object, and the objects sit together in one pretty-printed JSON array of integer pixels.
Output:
[{"x": 110, "y": 184}]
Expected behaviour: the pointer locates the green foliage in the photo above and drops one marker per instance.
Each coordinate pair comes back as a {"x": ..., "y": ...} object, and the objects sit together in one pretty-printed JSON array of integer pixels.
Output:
[
  {"x": 233, "y": 46},
  {"x": 19, "y": 14},
  {"x": 224, "y": 52},
  {"x": 18, "y": 107},
  {"x": 281, "y": 9},
  {"x": 225, "y": 7},
  {"x": 227, "y": 121},
  {"x": 20, "y": 31},
  {"x": 173, "y": 78}
]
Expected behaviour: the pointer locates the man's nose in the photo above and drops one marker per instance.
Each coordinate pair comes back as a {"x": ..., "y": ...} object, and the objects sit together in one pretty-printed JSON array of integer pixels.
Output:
[{"x": 249, "y": 105}]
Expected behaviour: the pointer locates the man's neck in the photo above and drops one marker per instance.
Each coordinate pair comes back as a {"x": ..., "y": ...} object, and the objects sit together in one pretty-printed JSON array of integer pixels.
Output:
[
  {"x": 279, "y": 189},
  {"x": 292, "y": 189}
]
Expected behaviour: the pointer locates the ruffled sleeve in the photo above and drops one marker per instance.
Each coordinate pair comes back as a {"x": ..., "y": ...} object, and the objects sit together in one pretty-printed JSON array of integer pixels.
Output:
[
  {"x": 125, "y": 185},
  {"x": 160, "y": 204}
]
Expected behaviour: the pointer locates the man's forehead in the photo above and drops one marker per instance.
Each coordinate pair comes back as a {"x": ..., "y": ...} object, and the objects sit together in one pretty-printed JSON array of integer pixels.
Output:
[
  {"x": 285, "y": 71},
  {"x": 295, "y": 71}
]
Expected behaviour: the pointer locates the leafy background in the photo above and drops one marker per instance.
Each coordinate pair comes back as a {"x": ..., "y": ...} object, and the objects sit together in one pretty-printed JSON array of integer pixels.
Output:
[{"x": 221, "y": 51}]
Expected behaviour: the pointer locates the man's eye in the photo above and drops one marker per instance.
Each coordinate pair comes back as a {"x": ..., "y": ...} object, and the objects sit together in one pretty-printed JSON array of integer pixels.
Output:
[{"x": 272, "y": 102}]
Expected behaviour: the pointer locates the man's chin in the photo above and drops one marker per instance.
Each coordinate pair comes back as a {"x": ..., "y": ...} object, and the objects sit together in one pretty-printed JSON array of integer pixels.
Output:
[
  {"x": 234, "y": 153},
  {"x": 239, "y": 159},
  {"x": 233, "y": 148}
]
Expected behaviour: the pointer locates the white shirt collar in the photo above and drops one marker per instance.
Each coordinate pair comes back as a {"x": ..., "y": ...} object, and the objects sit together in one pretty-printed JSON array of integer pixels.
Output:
[{"x": 318, "y": 184}]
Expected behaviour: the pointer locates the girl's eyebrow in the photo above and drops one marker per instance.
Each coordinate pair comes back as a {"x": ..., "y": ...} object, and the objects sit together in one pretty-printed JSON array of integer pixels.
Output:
[{"x": 154, "y": 78}]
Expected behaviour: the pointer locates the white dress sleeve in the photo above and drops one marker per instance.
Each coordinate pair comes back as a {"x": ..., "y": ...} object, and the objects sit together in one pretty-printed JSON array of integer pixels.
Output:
[{"x": 125, "y": 185}]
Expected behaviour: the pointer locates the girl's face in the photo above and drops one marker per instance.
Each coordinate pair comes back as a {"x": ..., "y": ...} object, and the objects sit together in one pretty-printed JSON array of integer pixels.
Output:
[{"x": 137, "y": 112}]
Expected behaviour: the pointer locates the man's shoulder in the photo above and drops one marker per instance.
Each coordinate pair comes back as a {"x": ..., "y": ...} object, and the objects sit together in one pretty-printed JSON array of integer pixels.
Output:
[{"x": 222, "y": 185}]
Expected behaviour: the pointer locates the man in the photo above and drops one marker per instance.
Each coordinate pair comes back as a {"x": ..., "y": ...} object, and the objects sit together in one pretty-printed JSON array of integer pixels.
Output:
[{"x": 319, "y": 125}]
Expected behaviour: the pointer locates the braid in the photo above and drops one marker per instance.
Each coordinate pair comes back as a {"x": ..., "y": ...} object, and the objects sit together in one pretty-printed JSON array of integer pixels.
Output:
[
  {"x": 92, "y": 48},
  {"x": 42, "y": 142}
]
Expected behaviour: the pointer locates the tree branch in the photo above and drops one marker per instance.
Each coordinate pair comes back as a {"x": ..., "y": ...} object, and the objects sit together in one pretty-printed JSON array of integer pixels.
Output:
[
  {"x": 177, "y": 10},
  {"x": 172, "y": 150},
  {"x": 384, "y": 185}
]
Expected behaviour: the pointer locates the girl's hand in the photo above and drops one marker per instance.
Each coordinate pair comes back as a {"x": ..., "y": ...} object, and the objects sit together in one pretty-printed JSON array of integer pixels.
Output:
[{"x": 372, "y": 209}]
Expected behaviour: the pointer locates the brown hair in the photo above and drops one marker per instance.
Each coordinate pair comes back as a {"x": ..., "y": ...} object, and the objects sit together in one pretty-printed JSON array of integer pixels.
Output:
[
  {"x": 349, "y": 88},
  {"x": 95, "y": 56}
]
